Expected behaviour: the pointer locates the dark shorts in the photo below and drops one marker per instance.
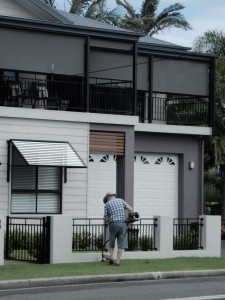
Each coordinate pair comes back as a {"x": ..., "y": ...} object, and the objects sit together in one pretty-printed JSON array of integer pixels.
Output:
[{"x": 118, "y": 231}]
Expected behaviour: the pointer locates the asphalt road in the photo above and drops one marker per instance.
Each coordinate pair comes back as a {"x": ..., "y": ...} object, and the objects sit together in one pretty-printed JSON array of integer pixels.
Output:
[{"x": 185, "y": 289}]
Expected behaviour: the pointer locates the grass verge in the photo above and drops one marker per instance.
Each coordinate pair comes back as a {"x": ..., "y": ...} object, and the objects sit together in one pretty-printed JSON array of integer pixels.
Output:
[{"x": 17, "y": 270}]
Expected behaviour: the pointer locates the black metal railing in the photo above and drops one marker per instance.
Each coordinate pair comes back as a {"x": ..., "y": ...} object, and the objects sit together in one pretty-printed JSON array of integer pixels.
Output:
[
  {"x": 141, "y": 235},
  {"x": 28, "y": 239},
  {"x": 68, "y": 93},
  {"x": 190, "y": 111},
  {"x": 108, "y": 96},
  {"x": 90, "y": 234},
  {"x": 187, "y": 234},
  {"x": 222, "y": 229},
  {"x": 111, "y": 96}
]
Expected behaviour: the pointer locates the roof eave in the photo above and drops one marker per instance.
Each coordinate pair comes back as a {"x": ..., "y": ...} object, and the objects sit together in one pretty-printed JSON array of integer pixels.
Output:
[{"x": 66, "y": 28}]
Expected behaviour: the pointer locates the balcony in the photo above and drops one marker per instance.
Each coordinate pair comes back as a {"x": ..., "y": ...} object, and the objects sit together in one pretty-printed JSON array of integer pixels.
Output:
[{"x": 106, "y": 96}]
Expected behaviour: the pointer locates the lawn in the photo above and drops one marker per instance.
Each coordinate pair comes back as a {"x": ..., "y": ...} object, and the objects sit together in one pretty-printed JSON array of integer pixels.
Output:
[{"x": 17, "y": 270}]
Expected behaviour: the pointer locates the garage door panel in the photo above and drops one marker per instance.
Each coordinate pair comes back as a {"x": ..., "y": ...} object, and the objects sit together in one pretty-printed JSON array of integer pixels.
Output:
[
  {"x": 160, "y": 184},
  {"x": 155, "y": 184}
]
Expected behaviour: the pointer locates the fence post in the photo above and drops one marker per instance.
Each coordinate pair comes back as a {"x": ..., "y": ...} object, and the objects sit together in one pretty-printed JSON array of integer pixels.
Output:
[
  {"x": 61, "y": 239},
  {"x": 211, "y": 235},
  {"x": 164, "y": 236},
  {"x": 2, "y": 240}
]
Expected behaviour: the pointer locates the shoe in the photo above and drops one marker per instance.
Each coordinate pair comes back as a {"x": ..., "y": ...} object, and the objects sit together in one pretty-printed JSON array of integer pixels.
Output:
[
  {"x": 111, "y": 262},
  {"x": 116, "y": 264}
]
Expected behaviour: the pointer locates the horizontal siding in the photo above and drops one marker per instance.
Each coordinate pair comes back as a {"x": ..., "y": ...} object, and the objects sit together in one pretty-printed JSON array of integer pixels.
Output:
[{"x": 77, "y": 134}]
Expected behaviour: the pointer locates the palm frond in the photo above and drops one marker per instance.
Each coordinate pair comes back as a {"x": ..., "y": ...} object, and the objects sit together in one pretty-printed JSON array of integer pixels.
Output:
[
  {"x": 149, "y": 8},
  {"x": 128, "y": 7},
  {"x": 167, "y": 19},
  {"x": 78, "y": 7}
]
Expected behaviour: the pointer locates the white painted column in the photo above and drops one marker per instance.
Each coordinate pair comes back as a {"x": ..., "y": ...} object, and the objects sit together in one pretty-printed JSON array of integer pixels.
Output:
[
  {"x": 164, "y": 236},
  {"x": 211, "y": 235}
]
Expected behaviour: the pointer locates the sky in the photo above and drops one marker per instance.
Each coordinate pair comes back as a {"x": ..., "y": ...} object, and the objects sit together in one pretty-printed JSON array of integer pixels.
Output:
[{"x": 203, "y": 15}]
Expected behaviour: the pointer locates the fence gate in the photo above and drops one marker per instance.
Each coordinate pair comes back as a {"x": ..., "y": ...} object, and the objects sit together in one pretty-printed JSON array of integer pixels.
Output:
[{"x": 28, "y": 239}]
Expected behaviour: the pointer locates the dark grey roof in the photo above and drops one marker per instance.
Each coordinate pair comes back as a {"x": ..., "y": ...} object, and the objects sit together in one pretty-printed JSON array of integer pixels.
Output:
[
  {"x": 82, "y": 21},
  {"x": 145, "y": 40},
  {"x": 75, "y": 20},
  {"x": 149, "y": 40}
]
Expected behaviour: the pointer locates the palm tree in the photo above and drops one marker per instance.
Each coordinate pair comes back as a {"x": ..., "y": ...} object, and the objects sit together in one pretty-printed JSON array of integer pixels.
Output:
[
  {"x": 92, "y": 9},
  {"x": 148, "y": 21},
  {"x": 50, "y": 2}
]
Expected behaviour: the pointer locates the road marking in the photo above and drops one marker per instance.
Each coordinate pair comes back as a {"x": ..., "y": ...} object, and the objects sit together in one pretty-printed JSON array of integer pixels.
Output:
[{"x": 200, "y": 298}]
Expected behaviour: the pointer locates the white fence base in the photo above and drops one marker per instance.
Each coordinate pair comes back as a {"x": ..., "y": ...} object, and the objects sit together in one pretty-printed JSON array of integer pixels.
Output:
[{"x": 61, "y": 242}]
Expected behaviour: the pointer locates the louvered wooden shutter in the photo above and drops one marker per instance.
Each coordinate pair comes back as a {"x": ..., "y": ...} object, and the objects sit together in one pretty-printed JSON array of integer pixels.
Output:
[{"x": 105, "y": 142}]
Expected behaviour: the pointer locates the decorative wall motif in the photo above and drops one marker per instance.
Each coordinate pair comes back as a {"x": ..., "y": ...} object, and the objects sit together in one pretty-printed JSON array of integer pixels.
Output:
[{"x": 105, "y": 158}]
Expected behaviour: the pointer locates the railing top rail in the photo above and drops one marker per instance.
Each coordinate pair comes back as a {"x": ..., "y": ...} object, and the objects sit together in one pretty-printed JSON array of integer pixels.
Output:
[
  {"x": 26, "y": 218},
  {"x": 187, "y": 220},
  {"x": 112, "y": 79}
]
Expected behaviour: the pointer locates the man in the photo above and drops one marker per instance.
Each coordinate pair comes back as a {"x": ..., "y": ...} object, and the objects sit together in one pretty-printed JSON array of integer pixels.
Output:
[{"x": 114, "y": 214}]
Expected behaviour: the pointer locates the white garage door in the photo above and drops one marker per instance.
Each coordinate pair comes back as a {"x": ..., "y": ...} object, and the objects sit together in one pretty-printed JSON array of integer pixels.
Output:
[
  {"x": 156, "y": 185},
  {"x": 101, "y": 180}
]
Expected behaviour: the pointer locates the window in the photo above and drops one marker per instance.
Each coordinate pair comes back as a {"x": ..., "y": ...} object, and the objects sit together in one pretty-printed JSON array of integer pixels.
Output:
[{"x": 35, "y": 189}]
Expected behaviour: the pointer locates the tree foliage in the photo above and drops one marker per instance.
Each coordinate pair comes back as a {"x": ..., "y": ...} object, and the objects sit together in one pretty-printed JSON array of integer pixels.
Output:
[
  {"x": 149, "y": 21},
  {"x": 213, "y": 42}
]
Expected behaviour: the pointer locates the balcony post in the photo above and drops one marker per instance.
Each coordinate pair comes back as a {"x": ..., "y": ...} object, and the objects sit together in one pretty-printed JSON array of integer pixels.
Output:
[
  {"x": 135, "y": 78},
  {"x": 150, "y": 80},
  {"x": 211, "y": 109},
  {"x": 87, "y": 72}
]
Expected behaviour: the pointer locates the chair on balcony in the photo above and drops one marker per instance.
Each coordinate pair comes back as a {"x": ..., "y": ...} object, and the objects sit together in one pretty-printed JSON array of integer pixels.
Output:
[
  {"x": 16, "y": 96},
  {"x": 42, "y": 98}
]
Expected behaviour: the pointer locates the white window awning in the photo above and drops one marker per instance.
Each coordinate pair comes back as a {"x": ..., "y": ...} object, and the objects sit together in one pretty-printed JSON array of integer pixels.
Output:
[{"x": 42, "y": 153}]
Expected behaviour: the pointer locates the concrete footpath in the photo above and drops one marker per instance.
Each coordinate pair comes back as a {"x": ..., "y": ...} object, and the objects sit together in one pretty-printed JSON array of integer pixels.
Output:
[{"x": 47, "y": 282}]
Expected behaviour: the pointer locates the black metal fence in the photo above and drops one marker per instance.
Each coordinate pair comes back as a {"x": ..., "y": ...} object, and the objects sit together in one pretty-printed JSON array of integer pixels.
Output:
[
  {"x": 88, "y": 234},
  {"x": 187, "y": 234},
  {"x": 91, "y": 235},
  {"x": 141, "y": 235},
  {"x": 28, "y": 239}
]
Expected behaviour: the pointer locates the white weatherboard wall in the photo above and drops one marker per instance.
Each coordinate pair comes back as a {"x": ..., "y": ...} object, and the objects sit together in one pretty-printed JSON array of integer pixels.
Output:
[
  {"x": 76, "y": 133},
  {"x": 61, "y": 242}
]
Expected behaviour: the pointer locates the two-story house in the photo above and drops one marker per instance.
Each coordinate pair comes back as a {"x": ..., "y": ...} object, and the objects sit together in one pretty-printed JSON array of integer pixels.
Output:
[{"x": 87, "y": 108}]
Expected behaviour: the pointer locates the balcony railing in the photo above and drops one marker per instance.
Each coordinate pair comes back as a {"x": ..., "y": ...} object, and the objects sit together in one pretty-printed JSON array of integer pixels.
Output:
[
  {"x": 192, "y": 111},
  {"x": 106, "y": 96}
]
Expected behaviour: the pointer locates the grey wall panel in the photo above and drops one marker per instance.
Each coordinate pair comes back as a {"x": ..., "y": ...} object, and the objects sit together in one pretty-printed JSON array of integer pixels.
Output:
[
  {"x": 142, "y": 73},
  {"x": 34, "y": 51},
  {"x": 111, "y": 44},
  {"x": 111, "y": 65},
  {"x": 180, "y": 76},
  {"x": 189, "y": 149}
]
